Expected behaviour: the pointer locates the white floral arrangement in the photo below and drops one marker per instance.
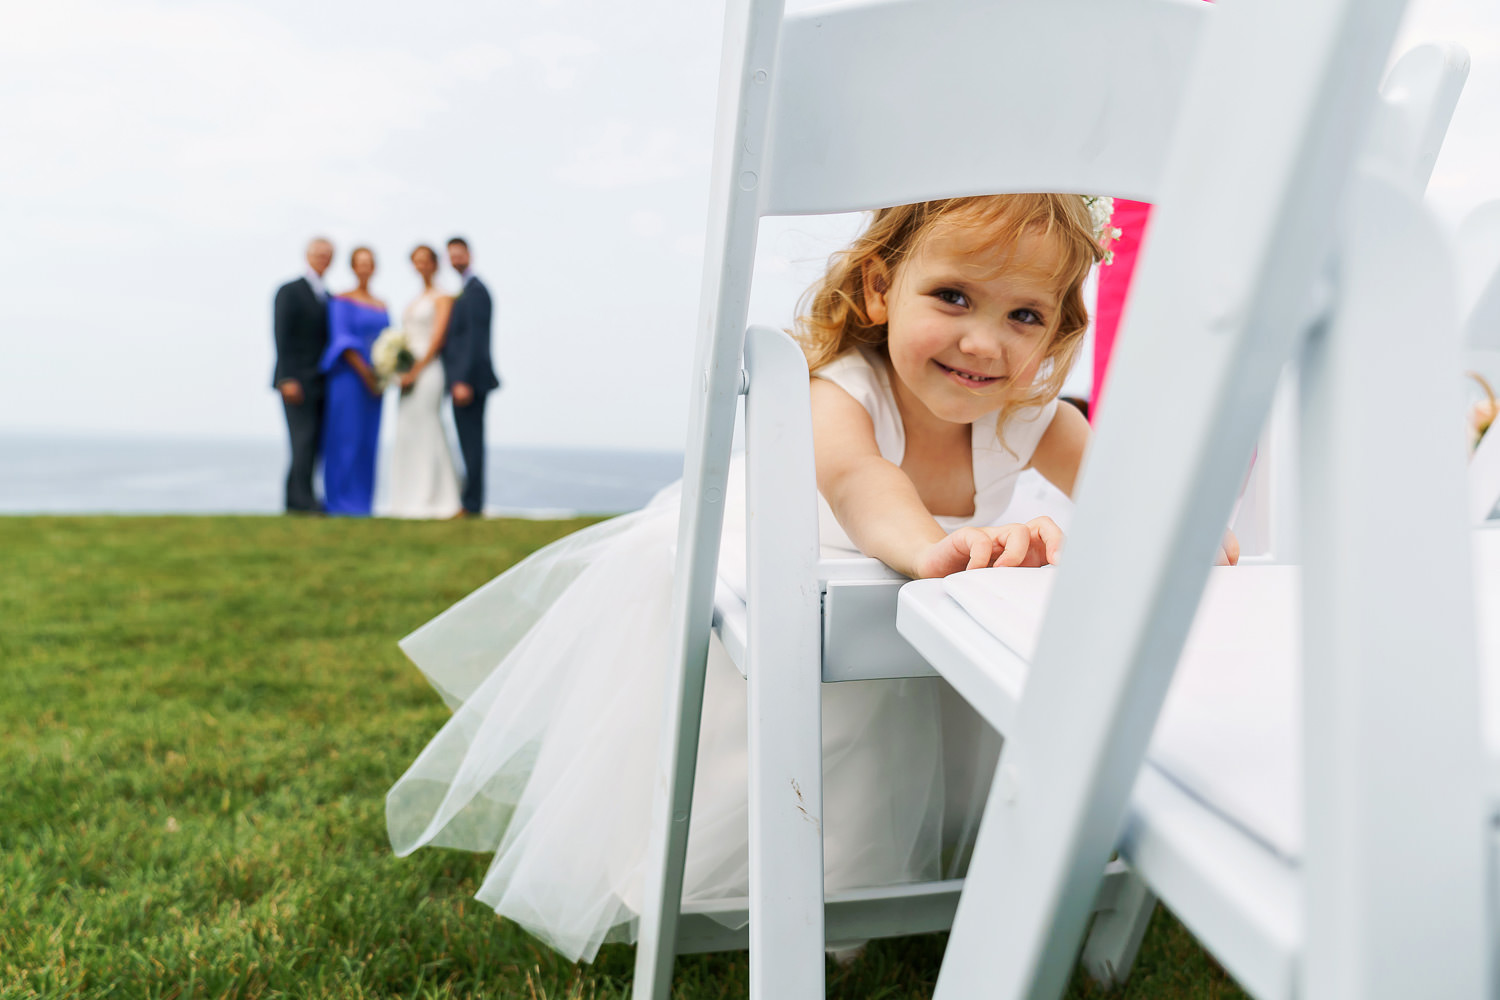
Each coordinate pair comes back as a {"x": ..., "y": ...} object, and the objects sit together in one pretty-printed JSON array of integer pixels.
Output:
[
  {"x": 391, "y": 354},
  {"x": 1101, "y": 211}
]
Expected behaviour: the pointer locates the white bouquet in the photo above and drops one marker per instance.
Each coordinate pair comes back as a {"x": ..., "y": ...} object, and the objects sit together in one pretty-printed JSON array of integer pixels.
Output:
[{"x": 391, "y": 354}]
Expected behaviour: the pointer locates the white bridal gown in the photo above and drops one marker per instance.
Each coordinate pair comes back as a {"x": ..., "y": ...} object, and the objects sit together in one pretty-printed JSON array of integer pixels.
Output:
[
  {"x": 423, "y": 480},
  {"x": 555, "y": 673}
]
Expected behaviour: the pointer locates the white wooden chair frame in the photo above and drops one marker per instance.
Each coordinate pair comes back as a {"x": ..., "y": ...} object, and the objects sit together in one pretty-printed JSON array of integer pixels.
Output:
[
  {"x": 1241, "y": 900},
  {"x": 1389, "y": 900},
  {"x": 821, "y": 162},
  {"x": 1224, "y": 885}
]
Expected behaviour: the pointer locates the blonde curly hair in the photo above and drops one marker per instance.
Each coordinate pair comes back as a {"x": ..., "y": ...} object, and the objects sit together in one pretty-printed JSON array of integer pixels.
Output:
[{"x": 833, "y": 316}]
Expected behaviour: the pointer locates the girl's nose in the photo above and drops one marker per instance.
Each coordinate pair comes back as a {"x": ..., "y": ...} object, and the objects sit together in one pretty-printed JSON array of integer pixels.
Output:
[{"x": 982, "y": 340}]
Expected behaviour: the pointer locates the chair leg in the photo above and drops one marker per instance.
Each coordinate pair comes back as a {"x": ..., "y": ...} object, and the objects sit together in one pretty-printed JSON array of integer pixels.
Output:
[
  {"x": 1393, "y": 863},
  {"x": 1118, "y": 928},
  {"x": 784, "y": 676},
  {"x": 786, "y": 841},
  {"x": 656, "y": 946}
]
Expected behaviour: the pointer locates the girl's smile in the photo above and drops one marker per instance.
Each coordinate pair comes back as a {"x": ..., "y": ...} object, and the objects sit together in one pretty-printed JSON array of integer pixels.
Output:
[
  {"x": 966, "y": 325},
  {"x": 969, "y": 379}
]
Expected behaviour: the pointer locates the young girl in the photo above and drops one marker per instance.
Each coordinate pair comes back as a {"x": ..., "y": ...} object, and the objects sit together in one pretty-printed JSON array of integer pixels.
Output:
[{"x": 938, "y": 343}]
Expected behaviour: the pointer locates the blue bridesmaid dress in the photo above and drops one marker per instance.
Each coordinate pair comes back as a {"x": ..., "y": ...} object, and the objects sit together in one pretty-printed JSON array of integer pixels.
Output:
[{"x": 351, "y": 422}]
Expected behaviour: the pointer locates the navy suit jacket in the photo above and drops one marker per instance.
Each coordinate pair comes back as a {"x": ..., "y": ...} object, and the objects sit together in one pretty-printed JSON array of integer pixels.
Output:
[
  {"x": 466, "y": 350},
  {"x": 301, "y": 325}
]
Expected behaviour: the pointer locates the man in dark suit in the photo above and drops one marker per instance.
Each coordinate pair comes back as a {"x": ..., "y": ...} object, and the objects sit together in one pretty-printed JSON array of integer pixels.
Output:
[
  {"x": 301, "y": 322},
  {"x": 470, "y": 372}
]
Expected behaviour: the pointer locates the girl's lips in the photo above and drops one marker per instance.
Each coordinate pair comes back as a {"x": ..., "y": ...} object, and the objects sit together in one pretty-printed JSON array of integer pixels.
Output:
[{"x": 967, "y": 378}]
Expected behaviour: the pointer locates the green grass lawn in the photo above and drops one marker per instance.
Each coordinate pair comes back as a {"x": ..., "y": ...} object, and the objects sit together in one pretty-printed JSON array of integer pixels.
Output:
[{"x": 199, "y": 718}]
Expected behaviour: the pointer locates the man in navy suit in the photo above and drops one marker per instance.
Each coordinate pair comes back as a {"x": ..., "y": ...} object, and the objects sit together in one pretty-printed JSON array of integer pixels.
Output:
[
  {"x": 300, "y": 319},
  {"x": 470, "y": 372}
]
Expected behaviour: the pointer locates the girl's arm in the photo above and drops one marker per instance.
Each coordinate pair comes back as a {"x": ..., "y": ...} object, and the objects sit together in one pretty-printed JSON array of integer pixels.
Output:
[
  {"x": 878, "y": 506},
  {"x": 1059, "y": 454}
]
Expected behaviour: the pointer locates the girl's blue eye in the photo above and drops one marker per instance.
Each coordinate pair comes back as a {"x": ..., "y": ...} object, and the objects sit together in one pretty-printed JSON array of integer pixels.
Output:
[
  {"x": 952, "y": 296},
  {"x": 1028, "y": 316}
]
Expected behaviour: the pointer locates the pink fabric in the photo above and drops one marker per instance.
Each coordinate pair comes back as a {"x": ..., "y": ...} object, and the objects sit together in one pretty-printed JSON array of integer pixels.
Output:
[{"x": 1131, "y": 218}]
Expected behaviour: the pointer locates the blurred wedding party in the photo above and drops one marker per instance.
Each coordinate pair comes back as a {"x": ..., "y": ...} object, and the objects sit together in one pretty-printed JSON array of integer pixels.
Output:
[{"x": 336, "y": 357}]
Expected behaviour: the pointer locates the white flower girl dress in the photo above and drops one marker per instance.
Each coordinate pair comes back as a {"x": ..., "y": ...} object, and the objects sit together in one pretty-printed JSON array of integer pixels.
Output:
[{"x": 555, "y": 671}]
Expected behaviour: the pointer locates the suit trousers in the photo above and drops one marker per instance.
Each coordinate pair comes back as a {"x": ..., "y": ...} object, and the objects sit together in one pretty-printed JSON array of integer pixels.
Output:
[
  {"x": 469, "y": 421},
  {"x": 304, "y": 424}
]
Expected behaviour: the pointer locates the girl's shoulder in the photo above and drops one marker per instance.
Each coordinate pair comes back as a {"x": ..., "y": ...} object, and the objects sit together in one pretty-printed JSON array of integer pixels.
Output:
[
  {"x": 858, "y": 371},
  {"x": 861, "y": 372}
]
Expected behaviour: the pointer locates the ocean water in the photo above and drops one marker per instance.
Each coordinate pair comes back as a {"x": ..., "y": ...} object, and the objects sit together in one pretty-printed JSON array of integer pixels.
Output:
[{"x": 75, "y": 475}]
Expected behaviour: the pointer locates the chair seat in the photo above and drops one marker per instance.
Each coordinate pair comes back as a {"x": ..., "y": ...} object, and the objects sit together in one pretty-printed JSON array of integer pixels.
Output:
[
  {"x": 1229, "y": 732},
  {"x": 1215, "y": 820}
]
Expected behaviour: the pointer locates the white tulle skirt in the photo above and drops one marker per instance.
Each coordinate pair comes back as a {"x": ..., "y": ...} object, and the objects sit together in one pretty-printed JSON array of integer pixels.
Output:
[{"x": 556, "y": 672}]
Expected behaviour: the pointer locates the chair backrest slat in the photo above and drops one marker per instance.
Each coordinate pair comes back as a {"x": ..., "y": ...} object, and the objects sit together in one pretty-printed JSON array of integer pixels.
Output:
[
  {"x": 857, "y": 126},
  {"x": 1417, "y": 101}
]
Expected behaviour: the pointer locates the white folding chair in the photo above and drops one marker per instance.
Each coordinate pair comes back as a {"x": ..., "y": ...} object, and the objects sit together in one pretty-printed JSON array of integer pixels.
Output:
[
  {"x": 1214, "y": 823},
  {"x": 1384, "y": 895},
  {"x": 852, "y": 108}
]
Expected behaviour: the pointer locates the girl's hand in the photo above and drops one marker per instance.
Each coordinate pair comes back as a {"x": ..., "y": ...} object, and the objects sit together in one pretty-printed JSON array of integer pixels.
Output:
[
  {"x": 1229, "y": 551},
  {"x": 409, "y": 377},
  {"x": 371, "y": 382},
  {"x": 1038, "y": 542}
]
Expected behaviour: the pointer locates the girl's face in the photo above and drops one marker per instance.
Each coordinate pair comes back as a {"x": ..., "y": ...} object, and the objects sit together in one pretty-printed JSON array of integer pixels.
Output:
[
  {"x": 967, "y": 326},
  {"x": 363, "y": 265},
  {"x": 425, "y": 263}
]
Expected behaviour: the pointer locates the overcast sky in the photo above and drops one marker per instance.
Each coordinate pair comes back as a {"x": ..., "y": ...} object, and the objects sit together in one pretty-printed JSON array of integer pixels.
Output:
[{"x": 163, "y": 162}]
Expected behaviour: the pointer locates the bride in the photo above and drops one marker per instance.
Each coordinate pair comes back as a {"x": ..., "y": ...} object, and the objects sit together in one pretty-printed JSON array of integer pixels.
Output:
[{"x": 423, "y": 481}]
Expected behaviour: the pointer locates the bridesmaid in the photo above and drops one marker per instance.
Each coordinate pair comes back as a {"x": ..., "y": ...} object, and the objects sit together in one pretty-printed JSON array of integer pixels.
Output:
[{"x": 351, "y": 424}]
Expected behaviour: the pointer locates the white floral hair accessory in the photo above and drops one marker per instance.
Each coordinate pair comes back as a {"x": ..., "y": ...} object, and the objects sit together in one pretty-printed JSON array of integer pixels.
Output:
[{"x": 1101, "y": 210}]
